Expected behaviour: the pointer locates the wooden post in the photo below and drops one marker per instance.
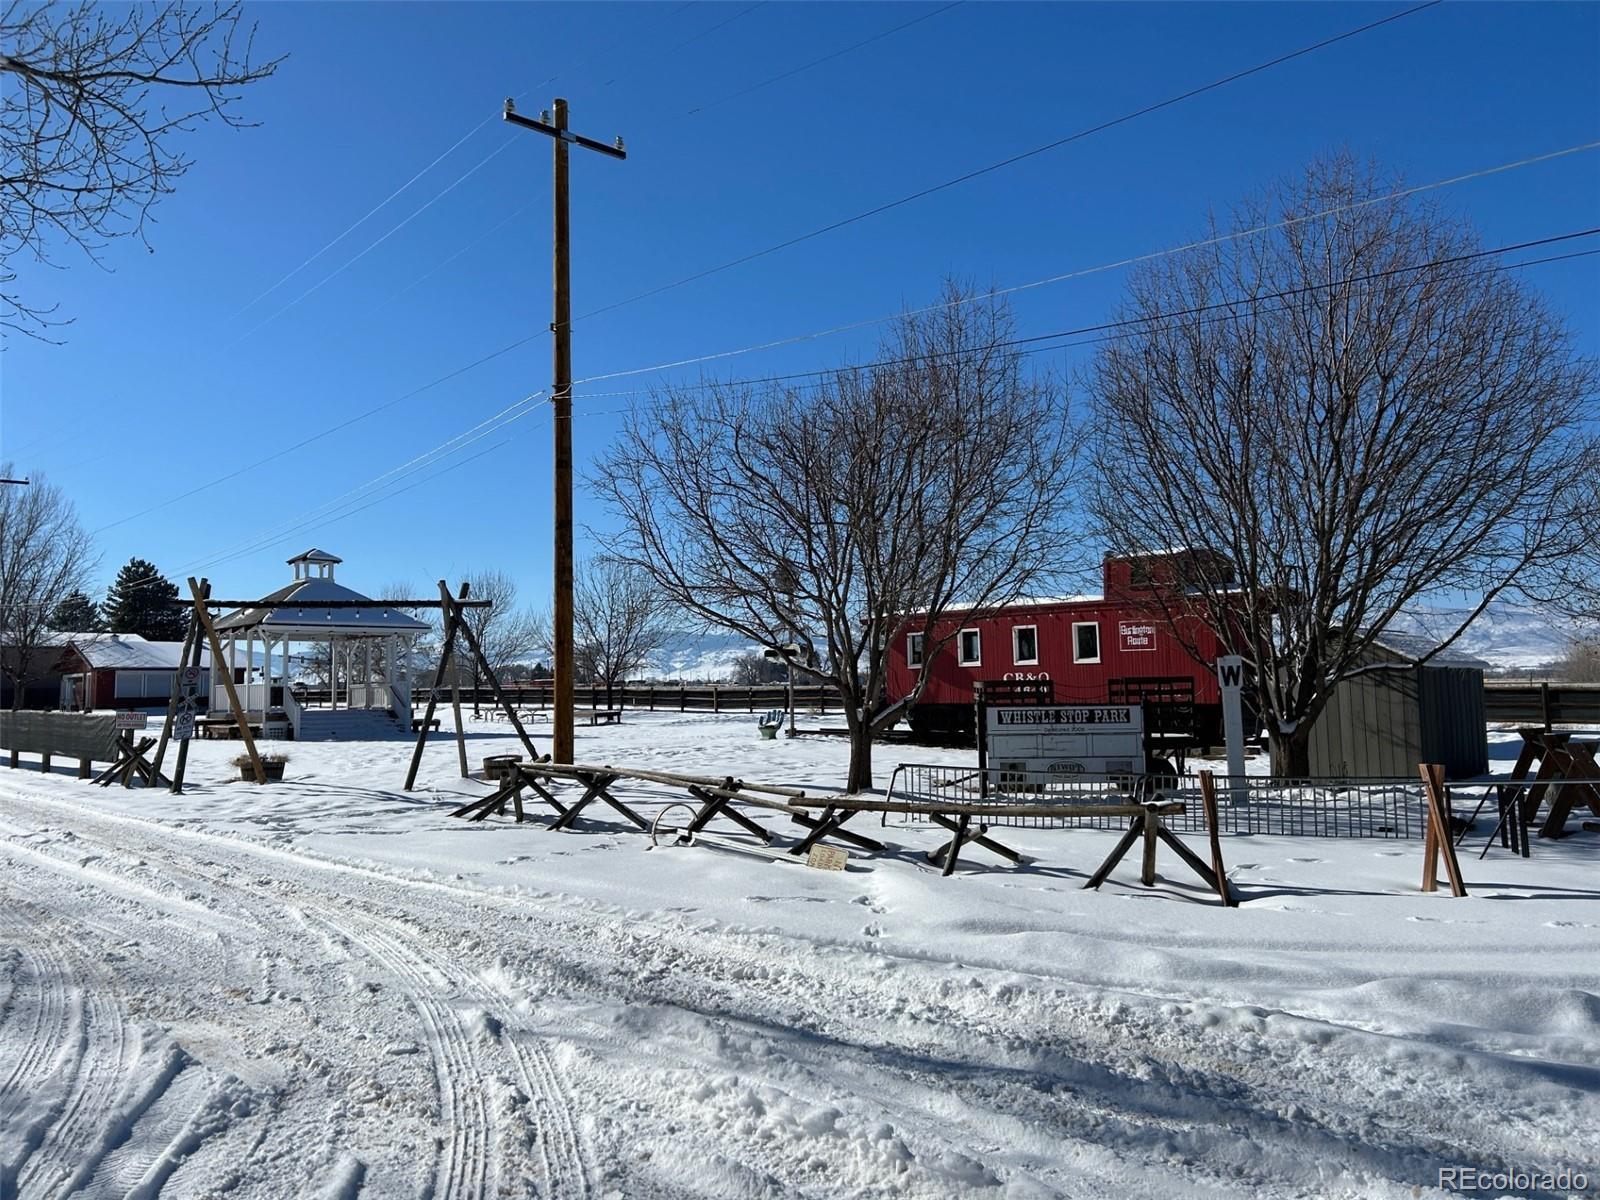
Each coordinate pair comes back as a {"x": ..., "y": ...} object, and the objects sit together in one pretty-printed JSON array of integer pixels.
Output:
[
  {"x": 716, "y": 698},
  {"x": 1208, "y": 804},
  {"x": 452, "y": 618},
  {"x": 1147, "y": 872},
  {"x": 1544, "y": 704},
  {"x": 499, "y": 692},
  {"x": 181, "y": 766},
  {"x": 44, "y": 762},
  {"x": 200, "y": 592},
  {"x": 455, "y": 706},
  {"x": 1437, "y": 840},
  {"x": 85, "y": 768},
  {"x": 190, "y": 637}
]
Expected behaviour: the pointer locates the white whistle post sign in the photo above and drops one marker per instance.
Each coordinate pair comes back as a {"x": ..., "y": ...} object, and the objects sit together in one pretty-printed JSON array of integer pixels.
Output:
[{"x": 1230, "y": 675}]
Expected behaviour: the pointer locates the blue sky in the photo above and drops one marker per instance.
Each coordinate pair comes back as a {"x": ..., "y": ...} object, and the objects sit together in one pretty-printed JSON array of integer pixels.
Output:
[{"x": 179, "y": 369}]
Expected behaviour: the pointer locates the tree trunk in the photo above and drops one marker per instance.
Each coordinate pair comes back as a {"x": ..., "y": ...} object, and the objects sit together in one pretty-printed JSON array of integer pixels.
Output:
[
  {"x": 860, "y": 779},
  {"x": 1291, "y": 752}
]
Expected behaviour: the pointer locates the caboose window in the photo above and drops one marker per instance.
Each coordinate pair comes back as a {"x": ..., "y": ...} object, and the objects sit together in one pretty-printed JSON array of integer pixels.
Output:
[
  {"x": 970, "y": 648},
  {"x": 1025, "y": 646},
  {"x": 1085, "y": 642},
  {"x": 913, "y": 650}
]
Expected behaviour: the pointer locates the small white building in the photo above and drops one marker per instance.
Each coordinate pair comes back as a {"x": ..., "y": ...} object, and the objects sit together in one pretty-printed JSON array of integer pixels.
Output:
[{"x": 368, "y": 645}]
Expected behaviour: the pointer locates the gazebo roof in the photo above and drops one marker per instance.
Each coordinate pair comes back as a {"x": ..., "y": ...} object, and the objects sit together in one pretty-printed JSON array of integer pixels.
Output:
[
  {"x": 292, "y": 612},
  {"x": 315, "y": 555}
]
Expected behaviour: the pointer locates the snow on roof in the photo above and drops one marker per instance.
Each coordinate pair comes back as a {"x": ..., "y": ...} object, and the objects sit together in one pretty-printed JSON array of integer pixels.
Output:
[
  {"x": 315, "y": 555},
  {"x": 1414, "y": 646},
  {"x": 1025, "y": 602},
  {"x": 293, "y": 607},
  {"x": 129, "y": 652}
]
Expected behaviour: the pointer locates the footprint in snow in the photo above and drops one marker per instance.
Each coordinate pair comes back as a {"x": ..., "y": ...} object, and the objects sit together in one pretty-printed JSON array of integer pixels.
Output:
[{"x": 1308, "y": 860}]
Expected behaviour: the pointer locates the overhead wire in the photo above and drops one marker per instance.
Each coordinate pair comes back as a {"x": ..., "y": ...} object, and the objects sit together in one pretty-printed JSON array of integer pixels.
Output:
[
  {"x": 317, "y": 437},
  {"x": 1099, "y": 268},
  {"x": 373, "y": 245},
  {"x": 1106, "y": 331},
  {"x": 1011, "y": 160},
  {"x": 1124, "y": 323},
  {"x": 877, "y": 37}
]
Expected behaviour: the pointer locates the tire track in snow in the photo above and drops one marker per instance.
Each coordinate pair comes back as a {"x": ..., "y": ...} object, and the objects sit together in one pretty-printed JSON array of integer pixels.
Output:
[
  {"x": 564, "y": 1158},
  {"x": 464, "y": 1166},
  {"x": 96, "y": 1083},
  {"x": 23, "y": 1119}
]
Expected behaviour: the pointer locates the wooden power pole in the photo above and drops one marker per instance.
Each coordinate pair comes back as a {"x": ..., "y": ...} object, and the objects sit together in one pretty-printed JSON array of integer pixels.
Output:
[{"x": 561, "y": 403}]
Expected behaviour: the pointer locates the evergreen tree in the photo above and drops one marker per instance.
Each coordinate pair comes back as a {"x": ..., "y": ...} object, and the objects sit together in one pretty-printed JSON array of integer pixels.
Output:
[
  {"x": 76, "y": 614},
  {"x": 139, "y": 603}
]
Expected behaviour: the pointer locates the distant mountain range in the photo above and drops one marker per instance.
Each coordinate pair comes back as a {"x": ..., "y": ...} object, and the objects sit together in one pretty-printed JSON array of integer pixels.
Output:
[
  {"x": 1505, "y": 635},
  {"x": 698, "y": 656}
]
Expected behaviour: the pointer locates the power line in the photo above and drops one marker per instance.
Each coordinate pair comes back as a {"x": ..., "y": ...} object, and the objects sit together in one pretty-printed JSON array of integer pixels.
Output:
[
  {"x": 363, "y": 219},
  {"x": 877, "y": 37},
  {"x": 317, "y": 437},
  {"x": 1015, "y": 158},
  {"x": 1081, "y": 272},
  {"x": 1105, "y": 331},
  {"x": 1124, "y": 323},
  {"x": 371, "y": 246}
]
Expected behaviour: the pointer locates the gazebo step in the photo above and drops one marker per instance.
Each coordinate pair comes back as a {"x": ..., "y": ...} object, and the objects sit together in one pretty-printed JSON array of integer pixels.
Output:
[{"x": 349, "y": 725}]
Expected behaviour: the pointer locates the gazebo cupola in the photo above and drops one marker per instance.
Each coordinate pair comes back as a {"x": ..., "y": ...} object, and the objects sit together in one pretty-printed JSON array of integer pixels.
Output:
[{"x": 314, "y": 564}]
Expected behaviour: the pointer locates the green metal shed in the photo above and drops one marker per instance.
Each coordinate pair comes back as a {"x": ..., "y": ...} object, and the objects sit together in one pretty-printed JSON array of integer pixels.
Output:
[{"x": 1404, "y": 711}]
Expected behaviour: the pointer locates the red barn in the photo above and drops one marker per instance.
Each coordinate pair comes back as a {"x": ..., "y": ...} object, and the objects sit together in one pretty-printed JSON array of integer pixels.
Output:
[{"x": 1116, "y": 647}]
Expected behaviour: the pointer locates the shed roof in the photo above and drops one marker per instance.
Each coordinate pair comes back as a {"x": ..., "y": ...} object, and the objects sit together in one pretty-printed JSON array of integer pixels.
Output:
[
  {"x": 1413, "y": 646},
  {"x": 129, "y": 652},
  {"x": 292, "y": 610}
]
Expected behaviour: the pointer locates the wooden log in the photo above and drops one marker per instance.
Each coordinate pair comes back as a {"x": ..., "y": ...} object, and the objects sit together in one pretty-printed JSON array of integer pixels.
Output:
[{"x": 926, "y": 808}]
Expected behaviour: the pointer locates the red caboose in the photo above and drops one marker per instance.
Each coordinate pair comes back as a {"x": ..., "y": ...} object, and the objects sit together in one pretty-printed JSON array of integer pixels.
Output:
[{"x": 1119, "y": 647}]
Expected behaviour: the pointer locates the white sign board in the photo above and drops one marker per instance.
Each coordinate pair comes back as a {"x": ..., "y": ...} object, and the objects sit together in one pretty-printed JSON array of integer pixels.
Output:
[
  {"x": 1065, "y": 739},
  {"x": 132, "y": 720},
  {"x": 183, "y": 724},
  {"x": 188, "y": 681}
]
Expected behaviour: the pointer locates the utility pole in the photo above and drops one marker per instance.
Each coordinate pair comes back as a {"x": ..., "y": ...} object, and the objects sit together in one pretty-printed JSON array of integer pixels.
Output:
[{"x": 561, "y": 402}]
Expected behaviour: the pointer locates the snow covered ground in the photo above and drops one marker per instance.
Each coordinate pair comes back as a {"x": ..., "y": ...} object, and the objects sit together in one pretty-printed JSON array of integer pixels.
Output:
[{"x": 327, "y": 987}]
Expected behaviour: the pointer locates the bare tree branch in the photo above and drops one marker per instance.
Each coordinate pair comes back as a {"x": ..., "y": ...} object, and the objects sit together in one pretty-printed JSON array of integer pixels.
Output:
[
  {"x": 1401, "y": 426},
  {"x": 823, "y": 518},
  {"x": 88, "y": 140}
]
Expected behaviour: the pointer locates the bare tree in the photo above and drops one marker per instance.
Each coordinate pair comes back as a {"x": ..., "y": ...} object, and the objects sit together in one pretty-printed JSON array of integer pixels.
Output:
[
  {"x": 508, "y": 634},
  {"x": 618, "y": 620},
  {"x": 44, "y": 557},
  {"x": 1350, "y": 413},
  {"x": 95, "y": 102},
  {"x": 1582, "y": 664},
  {"x": 826, "y": 517}
]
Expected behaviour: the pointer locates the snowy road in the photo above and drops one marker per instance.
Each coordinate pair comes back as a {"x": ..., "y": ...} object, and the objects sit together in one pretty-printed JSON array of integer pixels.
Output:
[{"x": 186, "y": 1010}]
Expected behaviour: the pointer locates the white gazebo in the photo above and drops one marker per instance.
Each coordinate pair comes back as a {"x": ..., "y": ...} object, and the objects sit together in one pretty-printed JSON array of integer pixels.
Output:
[{"x": 367, "y": 694}]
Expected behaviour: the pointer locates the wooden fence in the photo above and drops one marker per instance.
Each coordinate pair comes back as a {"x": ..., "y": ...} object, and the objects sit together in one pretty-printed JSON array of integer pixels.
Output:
[
  {"x": 1542, "y": 703},
  {"x": 668, "y": 697}
]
